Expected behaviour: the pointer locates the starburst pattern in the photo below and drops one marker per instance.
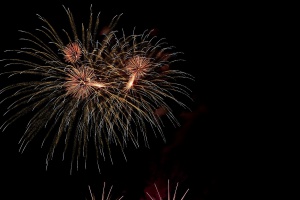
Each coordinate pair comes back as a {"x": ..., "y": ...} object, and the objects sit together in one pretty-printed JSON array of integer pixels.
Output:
[
  {"x": 82, "y": 82},
  {"x": 72, "y": 52},
  {"x": 166, "y": 195},
  {"x": 137, "y": 67},
  {"x": 89, "y": 89}
]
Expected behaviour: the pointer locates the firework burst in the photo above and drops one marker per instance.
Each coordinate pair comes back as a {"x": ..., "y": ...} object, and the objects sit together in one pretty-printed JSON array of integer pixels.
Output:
[
  {"x": 162, "y": 194},
  {"x": 86, "y": 89},
  {"x": 108, "y": 196},
  {"x": 72, "y": 52}
]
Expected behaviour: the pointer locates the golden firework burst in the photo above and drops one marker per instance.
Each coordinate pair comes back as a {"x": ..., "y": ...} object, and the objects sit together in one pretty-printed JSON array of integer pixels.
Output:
[{"x": 90, "y": 89}]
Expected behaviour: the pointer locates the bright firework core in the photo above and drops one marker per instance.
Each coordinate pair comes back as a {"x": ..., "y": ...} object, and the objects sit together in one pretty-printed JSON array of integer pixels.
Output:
[
  {"x": 81, "y": 82},
  {"x": 72, "y": 52},
  {"x": 137, "y": 67}
]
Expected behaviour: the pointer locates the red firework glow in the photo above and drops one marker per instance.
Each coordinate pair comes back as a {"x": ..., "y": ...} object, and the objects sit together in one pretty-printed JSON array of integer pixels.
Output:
[{"x": 72, "y": 52}]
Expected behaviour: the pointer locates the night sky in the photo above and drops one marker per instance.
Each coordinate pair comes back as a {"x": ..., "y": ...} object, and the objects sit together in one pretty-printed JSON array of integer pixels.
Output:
[{"x": 199, "y": 154}]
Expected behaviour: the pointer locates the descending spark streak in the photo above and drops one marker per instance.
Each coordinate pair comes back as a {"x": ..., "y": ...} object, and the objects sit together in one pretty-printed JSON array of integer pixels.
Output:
[{"x": 130, "y": 82}]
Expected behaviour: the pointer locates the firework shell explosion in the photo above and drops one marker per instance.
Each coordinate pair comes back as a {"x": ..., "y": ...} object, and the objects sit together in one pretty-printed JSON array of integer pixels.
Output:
[{"x": 87, "y": 89}]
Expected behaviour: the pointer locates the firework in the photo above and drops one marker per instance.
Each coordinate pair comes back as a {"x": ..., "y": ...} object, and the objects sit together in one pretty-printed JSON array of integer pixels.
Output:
[
  {"x": 86, "y": 88},
  {"x": 165, "y": 195},
  {"x": 108, "y": 196}
]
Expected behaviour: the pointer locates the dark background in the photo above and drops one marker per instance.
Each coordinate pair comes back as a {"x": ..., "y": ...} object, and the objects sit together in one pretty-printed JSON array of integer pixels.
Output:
[{"x": 204, "y": 154}]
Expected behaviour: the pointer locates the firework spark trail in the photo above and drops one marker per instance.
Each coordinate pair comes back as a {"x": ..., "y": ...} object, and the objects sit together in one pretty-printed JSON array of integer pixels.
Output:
[
  {"x": 92, "y": 90},
  {"x": 108, "y": 197},
  {"x": 169, "y": 196}
]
